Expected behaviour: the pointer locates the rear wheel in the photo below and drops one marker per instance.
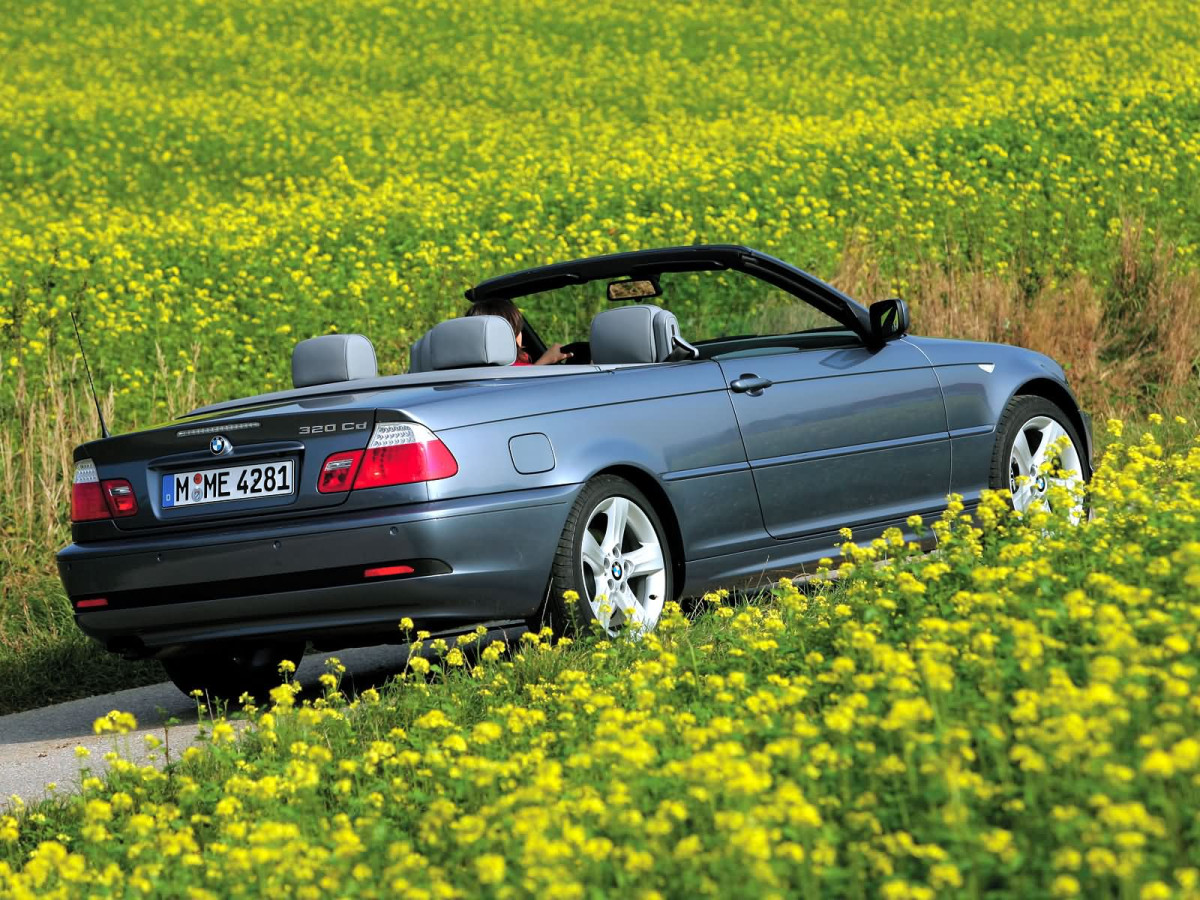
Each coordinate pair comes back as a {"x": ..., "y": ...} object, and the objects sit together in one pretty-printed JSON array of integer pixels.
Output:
[
  {"x": 1031, "y": 433},
  {"x": 614, "y": 554},
  {"x": 227, "y": 673}
]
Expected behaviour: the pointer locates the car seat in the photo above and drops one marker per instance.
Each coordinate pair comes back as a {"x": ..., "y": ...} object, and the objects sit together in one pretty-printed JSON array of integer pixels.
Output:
[
  {"x": 638, "y": 334},
  {"x": 465, "y": 343}
]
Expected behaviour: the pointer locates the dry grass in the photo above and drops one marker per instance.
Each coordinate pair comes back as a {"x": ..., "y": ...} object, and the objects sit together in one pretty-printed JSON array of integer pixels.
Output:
[
  {"x": 44, "y": 658},
  {"x": 1127, "y": 349},
  {"x": 42, "y": 426},
  {"x": 36, "y": 445}
]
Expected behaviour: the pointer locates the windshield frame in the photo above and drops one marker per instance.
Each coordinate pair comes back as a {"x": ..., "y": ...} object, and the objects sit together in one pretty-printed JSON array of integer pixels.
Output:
[{"x": 697, "y": 258}]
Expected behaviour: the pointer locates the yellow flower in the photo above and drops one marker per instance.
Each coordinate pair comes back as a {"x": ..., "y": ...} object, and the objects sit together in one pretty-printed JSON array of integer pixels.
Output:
[
  {"x": 490, "y": 868},
  {"x": 1064, "y": 886},
  {"x": 1158, "y": 763},
  {"x": 116, "y": 722},
  {"x": 435, "y": 718}
]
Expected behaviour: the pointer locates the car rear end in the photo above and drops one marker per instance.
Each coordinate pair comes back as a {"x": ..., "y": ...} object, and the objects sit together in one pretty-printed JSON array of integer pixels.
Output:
[{"x": 307, "y": 520}]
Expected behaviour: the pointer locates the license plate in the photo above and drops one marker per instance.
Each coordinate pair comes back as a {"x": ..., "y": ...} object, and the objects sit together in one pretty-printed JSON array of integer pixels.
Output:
[{"x": 233, "y": 483}]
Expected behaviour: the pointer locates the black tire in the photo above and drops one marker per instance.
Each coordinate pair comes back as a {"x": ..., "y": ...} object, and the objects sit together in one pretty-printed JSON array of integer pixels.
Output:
[
  {"x": 1022, "y": 409},
  {"x": 568, "y": 574},
  {"x": 227, "y": 673}
]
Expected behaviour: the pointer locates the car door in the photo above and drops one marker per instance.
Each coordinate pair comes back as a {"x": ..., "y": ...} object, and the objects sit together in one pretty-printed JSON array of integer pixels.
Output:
[{"x": 841, "y": 436}]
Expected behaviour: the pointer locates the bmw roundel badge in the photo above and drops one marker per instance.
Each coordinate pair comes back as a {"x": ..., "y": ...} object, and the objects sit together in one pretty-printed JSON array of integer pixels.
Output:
[{"x": 219, "y": 444}]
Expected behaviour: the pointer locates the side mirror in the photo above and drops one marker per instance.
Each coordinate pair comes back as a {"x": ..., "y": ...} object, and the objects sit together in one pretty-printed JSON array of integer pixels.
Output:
[{"x": 889, "y": 319}]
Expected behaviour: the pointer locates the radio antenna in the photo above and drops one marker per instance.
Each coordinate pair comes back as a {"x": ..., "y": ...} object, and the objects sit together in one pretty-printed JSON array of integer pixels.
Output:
[{"x": 88, "y": 369}]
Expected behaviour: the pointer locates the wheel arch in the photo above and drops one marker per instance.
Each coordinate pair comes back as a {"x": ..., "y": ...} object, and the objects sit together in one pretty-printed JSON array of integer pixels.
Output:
[
  {"x": 645, "y": 482},
  {"x": 1060, "y": 395}
]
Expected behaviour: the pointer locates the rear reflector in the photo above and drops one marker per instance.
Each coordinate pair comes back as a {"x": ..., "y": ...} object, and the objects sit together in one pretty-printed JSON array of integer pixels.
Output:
[
  {"x": 384, "y": 571},
  {"x": 88, "y": 604},
  {"x": 337, "y": 474},
  {"x": 404, "y": 453},
  {"x": 87, "y": 498},
  {"x": 119, "y": 494}
]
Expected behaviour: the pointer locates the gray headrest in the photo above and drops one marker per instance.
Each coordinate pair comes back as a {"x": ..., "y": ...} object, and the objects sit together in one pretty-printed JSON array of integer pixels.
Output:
[
  {"x": 633, "y": 334},
  {"x": 471, "y": 341},
  {"x": 419, "y": 360},
  {"x": 332, "y": 357}
]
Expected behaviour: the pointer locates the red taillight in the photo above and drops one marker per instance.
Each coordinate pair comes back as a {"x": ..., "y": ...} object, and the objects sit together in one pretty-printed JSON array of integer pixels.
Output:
[
  {"x": 93, "y": 499},
  {"x": 87, "y": 497},
  {"x": 337, "y": 474},
  {"x": 404, "y": 453},
  {"x": 119, "y": 494},
  {"x": 385, "y": 571},
  {"x": 90, "y": 604}
]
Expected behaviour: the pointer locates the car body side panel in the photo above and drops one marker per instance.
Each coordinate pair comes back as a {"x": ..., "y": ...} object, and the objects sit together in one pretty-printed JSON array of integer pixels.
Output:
[
  {"x": 978, "y": 379},
  {"x": 756, "y": 567},
  {"x": 843, "y": 436},
  {"x": 675, "y": 423}
]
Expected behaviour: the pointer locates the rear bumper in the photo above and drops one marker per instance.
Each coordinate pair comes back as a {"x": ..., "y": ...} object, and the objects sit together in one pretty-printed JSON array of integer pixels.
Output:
[{"x": 474, "y": 560}]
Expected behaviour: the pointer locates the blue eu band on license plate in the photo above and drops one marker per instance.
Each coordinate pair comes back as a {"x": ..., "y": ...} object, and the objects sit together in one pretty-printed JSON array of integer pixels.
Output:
[{"x": 269, "y": 479}]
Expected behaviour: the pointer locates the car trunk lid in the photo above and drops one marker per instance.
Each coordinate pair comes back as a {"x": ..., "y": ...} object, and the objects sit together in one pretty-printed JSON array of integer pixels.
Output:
[{"x": 233, "y": 467}]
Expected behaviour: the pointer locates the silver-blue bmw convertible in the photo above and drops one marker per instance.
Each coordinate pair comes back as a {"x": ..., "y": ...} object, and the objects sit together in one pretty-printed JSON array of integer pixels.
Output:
[{"x": 649, "y": 463}]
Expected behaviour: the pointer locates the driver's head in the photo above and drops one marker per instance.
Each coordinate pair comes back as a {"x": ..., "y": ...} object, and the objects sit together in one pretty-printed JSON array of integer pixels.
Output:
[{"x": 505, "y": 309}]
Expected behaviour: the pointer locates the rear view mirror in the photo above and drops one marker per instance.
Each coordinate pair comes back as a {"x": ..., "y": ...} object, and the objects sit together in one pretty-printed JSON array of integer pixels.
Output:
[
  {"x": 633, "y": 289},
  {"x": 889, "y": 319}
]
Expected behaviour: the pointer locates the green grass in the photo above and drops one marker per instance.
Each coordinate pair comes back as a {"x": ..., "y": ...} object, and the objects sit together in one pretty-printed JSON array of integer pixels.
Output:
[{"x": 46, "y": 659}]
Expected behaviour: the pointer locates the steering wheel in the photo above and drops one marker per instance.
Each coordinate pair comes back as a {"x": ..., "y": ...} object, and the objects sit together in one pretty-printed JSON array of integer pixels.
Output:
[{"x": 581, "y": 352}]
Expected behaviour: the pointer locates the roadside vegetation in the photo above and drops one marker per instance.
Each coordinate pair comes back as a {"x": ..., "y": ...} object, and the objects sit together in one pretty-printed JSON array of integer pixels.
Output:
[{"x": 1015, "y": 715}]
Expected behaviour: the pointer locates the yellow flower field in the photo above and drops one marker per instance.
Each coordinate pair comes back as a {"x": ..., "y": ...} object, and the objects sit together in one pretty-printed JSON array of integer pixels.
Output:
[
  {"x": 240, "y": 175},
  {"x": 1014, "y": 716}
]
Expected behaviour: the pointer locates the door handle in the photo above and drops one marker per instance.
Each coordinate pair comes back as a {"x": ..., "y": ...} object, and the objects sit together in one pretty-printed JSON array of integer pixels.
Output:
[{"x": 751, "y": 384}]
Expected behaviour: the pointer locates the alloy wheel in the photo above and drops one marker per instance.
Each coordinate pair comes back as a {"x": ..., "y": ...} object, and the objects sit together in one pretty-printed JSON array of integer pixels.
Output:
[
  {"x": 624, "y": 570},
  {"x": 1039, "y": 441}
]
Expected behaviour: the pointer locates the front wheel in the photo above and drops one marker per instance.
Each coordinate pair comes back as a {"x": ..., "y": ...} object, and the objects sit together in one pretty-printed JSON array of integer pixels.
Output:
[
  {"x": 614, "y": 555},
  {"x": 227, "y": 673},
  {"x": 1037, "y": 449}
]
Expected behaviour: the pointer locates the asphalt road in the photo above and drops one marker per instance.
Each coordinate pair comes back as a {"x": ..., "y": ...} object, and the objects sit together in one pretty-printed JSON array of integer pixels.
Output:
[{"x": 37, "y": 747}]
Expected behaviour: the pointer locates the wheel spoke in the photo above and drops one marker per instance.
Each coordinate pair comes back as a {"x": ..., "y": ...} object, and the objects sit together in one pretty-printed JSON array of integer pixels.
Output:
[
  {"x": 617, "y": 513},
  {"x": 1070, "y": 482},
  {"x": 593, "y": 556},
  {"x": 645, "y": 560},
  {"x": 631, "y": 610},
  {"x": 602, "y": 599},
  {"x": 623, "y": 599},
  {"x": 1021, "y": 453},
  {"x": 1023, "y": 496},
  {"x": 1051, "y": 433}
]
